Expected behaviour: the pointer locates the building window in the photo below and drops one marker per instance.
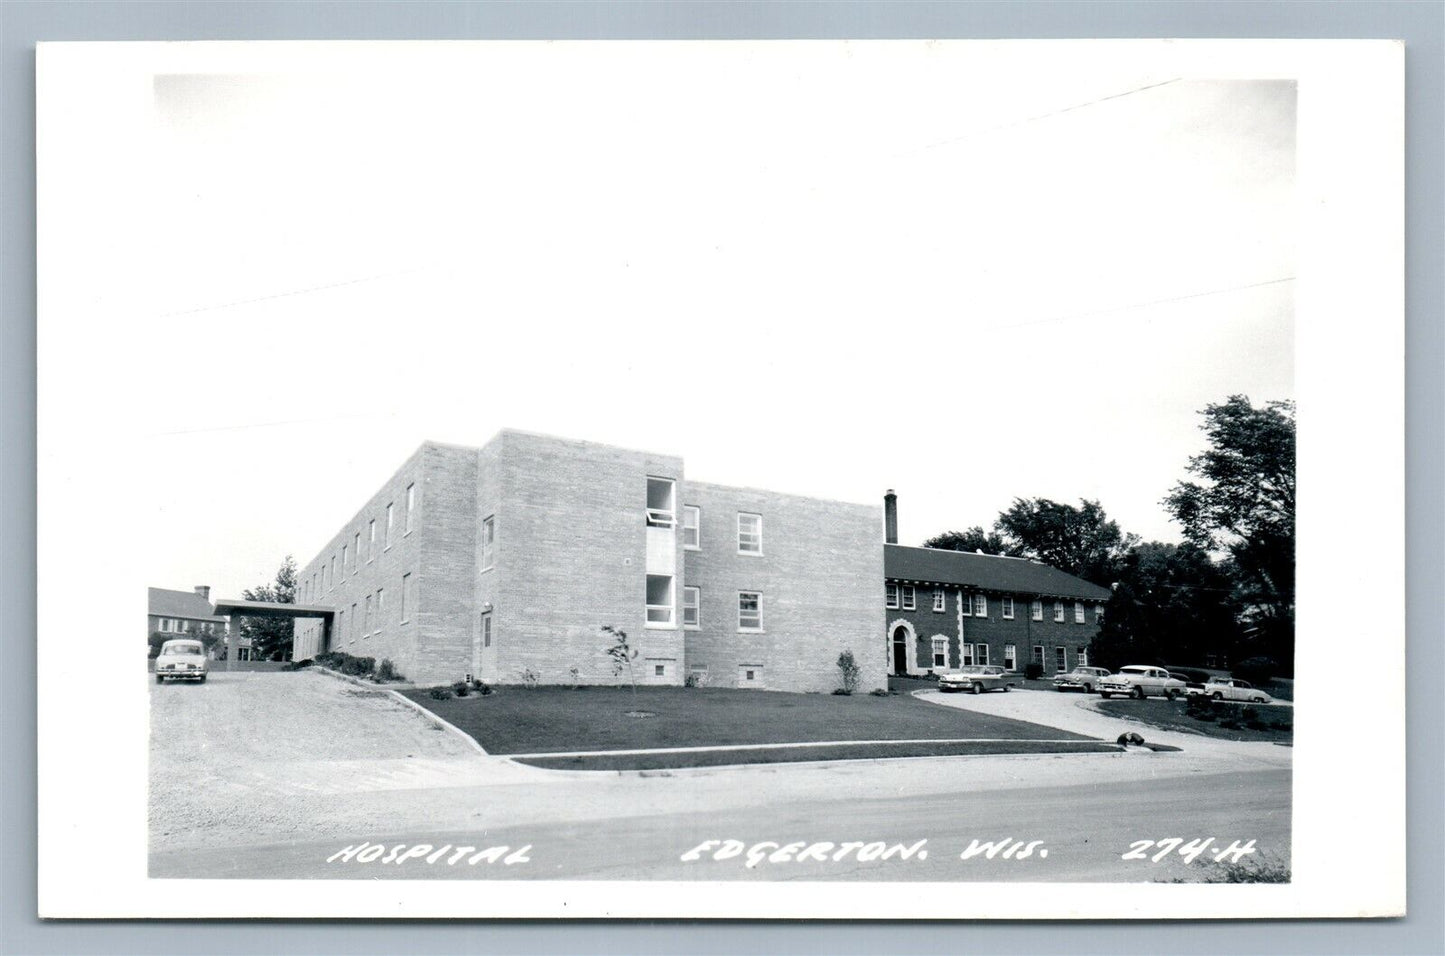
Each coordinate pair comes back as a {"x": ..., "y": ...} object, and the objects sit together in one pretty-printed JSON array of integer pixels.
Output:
[
  {"x": 355, "y": 620},
  {"x": 659, "y": 599},
  {"x": 892, "y": 596},
  {"x": 980, "y": 652},
  {"x": 940, "y": 652},
  {"x": 356, "y": 553},
  {"x": 750, "y": 611},
  {"x": 341, "y": 627},
  {"x": 1007, "y": 605},
  {"x": 660, "y": 508},
  {"x": 410, "y": 508},
  {"x": 1098, "y": 614},
  {"x": 659, "y": 670},
  {"x": 940, "y": 603},
  {"x": 407, "y": 599},
  {"x": 1010, "y": 657},
  {"x": 343, "y": 559},
  {"x": 1058, "y": 612},
  {"x": 691, "y": 607},
  {"x": 380, "y": 609},
  {"x": 1039, "y": 655},
  {"x": 1037, "y": 611},
  {"x": 1061, "y": 659},
  {"x": 910, "y": 598},
  {"x": 486, "y": 630},
  {"x": 1078, "y": 612},
  {"x": 366, "y": 631},
  {"x": 965, "y": 655},
  {"x": 750, "y": 533},
  {"x": 489, "y": 540},
  {"x": 980, "y": 606},
  {"x": 370, "y": 540},
  {"x": 750, "y": 675},
  {"x": 333, "y": 571},
  {"x": 390, "y": 518},
  {"x": 1083, "y": 656},
  {"x": 691, "y": 527}
]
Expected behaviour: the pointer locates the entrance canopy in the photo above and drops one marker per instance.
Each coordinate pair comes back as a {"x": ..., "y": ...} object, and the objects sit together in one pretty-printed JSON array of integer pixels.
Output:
[{"x": 239, "y": 609}]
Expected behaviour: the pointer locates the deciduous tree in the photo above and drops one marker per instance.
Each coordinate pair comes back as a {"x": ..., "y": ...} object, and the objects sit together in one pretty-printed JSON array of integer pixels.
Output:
[
  {"x": 1082, "y": 541},
  {"x": 271, "y": 636},
  {"x": 974, "y": 539}
]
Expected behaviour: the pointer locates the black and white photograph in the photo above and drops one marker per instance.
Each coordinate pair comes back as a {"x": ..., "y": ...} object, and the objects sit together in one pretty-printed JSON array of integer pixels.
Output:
[{"x": 723, "y": 479}]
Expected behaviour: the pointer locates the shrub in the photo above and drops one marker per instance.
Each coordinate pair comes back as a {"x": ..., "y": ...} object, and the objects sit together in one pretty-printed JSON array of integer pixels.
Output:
[
  {"x": 461, "y": 688},
  {"x": 1033, "y": 670},
  {"x": 1229, "y": 723},
  {"x": 880, "y": 692},
  {"x": 850, "y": 672},
  {"x": 576, "y": 674},
  {"x": 1199, "y": 707},
  {"x": 357, "y": 666},
  {"x": 298, "y": 665},
  {"x": 386, "y": 671},
  {"x": 840, "y": 692},
  {"x": 695, "y": 679},
  {"x": 440, "y": 693},
  {"x": 529, "y": 677},
  {"x": 483, "y": 688}
]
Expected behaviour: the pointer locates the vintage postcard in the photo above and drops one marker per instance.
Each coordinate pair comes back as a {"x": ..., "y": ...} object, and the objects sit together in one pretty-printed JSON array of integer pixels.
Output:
[{"x": 721, "y": 479}]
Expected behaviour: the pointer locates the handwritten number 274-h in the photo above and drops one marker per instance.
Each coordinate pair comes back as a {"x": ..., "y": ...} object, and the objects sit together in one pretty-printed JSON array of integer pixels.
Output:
[{"x": 1139, "y": 850}]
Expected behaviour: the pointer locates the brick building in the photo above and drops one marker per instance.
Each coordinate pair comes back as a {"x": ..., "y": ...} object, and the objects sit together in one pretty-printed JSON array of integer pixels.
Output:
[
  {"x": 183, "y": 614},
  {"x": 505, "y": 561},
  {"x": 947, "y": 609}
]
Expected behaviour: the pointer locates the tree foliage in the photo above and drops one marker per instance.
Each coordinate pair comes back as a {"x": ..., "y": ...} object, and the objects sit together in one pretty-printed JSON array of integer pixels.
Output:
[
  {"x": 1243, "y": 505},
  {"x": 973, "y": 540},
  {"x": 1172, "y": 604},
  {"x": 1082, "y": 541},
  {"x": 271, "y": 636}
]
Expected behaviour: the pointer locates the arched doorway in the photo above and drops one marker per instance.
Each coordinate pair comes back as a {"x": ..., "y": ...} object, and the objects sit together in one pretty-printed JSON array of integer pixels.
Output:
[{"x": 900, "y": 648}]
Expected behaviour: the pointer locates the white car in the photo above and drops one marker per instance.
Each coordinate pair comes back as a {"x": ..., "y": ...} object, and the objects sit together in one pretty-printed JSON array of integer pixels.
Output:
[
  {"x": 1139, "y": 680},
  {"x": 182, "y": 660},
  {"x": 975, "y": 678},
  {"x": 1232, "y": 688}
]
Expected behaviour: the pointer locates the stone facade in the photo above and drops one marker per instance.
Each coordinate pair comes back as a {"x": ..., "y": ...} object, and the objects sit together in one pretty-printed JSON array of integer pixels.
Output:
[{"x": 513, "y": 556}]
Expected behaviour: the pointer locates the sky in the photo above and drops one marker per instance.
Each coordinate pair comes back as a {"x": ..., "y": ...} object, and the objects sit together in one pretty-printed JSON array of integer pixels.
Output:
[{"x": 826, "y": 269}]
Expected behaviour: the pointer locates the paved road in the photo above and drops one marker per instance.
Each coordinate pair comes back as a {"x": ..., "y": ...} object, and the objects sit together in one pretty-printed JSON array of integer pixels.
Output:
[
  {"x": 1084, "y": 832},
  {"x": 1084, "y": 810}
]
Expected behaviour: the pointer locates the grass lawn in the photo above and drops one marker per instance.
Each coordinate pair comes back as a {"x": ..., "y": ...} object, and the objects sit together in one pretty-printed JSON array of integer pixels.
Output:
[
  {"x": 1170, "y": 715},
  {"x": 719, "y": 758},
  {"x": 517, "y": 720}
]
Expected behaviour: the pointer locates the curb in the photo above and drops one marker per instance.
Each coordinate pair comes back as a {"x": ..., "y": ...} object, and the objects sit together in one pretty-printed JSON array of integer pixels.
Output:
[{"x": 430, "y": 717}]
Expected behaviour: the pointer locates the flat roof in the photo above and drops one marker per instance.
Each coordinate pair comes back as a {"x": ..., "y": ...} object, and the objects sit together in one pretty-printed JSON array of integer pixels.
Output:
[{"x": 232, "y": 608}]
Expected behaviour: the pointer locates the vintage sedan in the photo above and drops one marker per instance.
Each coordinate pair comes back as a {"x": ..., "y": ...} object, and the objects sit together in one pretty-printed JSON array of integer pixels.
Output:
[
  {"x": 182, "y": 660},
  {"x": 1232, "y": 688},
  {"x": 974, "y": 678},
  {"x": 1082, "y": 678},
  {"x": 1139, "y": 680}
]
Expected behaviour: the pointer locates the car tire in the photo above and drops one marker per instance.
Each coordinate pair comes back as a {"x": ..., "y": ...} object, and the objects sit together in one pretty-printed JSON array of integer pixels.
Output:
[
  {"x": 977, "y": 689},
  {"x": 203, "y": 678},
  {"x": 1170, "y": 694},
  {"x": 1088, "y": 688},
  {"x": 1139, "y": 693},
  {"x": 1005, "y": 688},
  {"x": 1216, "y": 696},
  {"x": 1104, "y": 695},
  {"x": 160, "y": 679}
]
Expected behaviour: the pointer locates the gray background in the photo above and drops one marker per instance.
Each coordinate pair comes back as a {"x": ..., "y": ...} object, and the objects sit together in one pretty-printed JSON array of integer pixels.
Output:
[{"x": 1420, "y": 24}]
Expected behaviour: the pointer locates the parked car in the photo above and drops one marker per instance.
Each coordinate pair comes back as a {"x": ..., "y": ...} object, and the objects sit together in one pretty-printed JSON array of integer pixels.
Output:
[
  {"x": 1138, "y": 680},
  {"x": 1232, "y": 688},
  {"x": 1080, "y": 678},
  {"x": 975, "y": 678},
  {"x": 182, "y": 660}
]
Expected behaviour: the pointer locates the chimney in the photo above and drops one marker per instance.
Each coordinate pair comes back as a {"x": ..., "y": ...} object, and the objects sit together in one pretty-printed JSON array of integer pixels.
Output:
[
  {"x": 204, "y": 590},
  {"x": 890, "y": 517}
]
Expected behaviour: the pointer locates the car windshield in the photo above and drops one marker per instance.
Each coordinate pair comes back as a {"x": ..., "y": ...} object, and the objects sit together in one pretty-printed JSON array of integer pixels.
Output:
[
  {"x": 971, "y": 669},
  {"x": 170, "y": 649}
]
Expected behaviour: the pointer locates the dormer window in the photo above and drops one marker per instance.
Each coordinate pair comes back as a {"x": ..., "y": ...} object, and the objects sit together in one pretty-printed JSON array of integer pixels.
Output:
[{"x": 661, "y": 512}]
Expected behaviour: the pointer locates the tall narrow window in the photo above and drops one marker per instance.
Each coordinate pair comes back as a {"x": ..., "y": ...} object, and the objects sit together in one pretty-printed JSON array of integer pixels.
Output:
[
  {"x": 1038, "y": 613},
  {"x": 486, "y": 630},
  {"x": 1061, "y": 659},
  {"x": 1083, "y": 656},
  {"x": 980, "y": 654},
  {"x": 367, "y": 631},
  {"x": 407, "y": 600},
  {"x": 410, "y": 507},
  {"x": 380, "y": 610},
  {"x": 333, "y": 570},
  {"x": 980, "y": 606},
  {"x": 660, "y": 508},
  {"x": 750, "y": 533},
  {"x": 965, "y": 655},
  {"x": 750, "y": 611},
  {"x": 691, "y": 607},
  {"x": 892, "y": 595},
  {"x": 659, "y": 599},
  {"x": 390, "y": 517},
  {"x": 1058, "y": 612},
  {"x": 1006, "y": 605},
  {"x": 1010, "y": 657},
  {"x": 1039, "y": 654},
  {"x": 489, "y": 541},
  {"x": 1078, "y": 612},
  {"x": 1098, "y": 614},
  {"x": 341, "y": 627},
  {"x": 343, "y": 559},
  {"x": 370, "y": 539},
  {"x": 939, "y": 600},
  {"x": 691, "y": 527},
  {"x": 910, "y": 598},
  {"x": 940, "y": 652},
  {"x": 356, "y": 553}
]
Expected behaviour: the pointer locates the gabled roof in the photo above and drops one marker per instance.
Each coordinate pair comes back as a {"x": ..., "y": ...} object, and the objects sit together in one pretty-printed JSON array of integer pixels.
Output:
[
  {"x": 986, "y": 572},
  {"x": 188, "y": 604}
]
